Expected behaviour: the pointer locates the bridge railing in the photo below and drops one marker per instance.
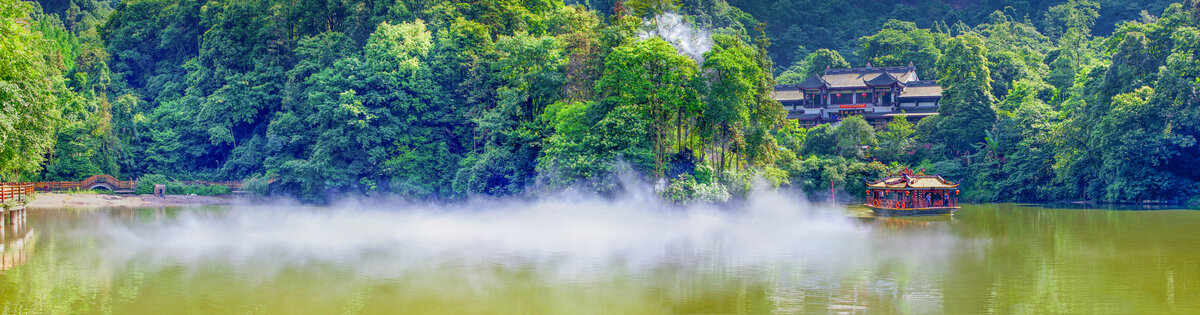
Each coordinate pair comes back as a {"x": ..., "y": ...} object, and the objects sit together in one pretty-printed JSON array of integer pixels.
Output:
[
  {"x": 86, "y": 183},
  {"x": 117, "y": 184},
  {"x": 233, "y": 185}
]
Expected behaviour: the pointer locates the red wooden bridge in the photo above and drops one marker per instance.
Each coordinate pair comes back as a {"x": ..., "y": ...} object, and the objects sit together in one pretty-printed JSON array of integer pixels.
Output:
[
  {"x": 114, "y": 184},
  {"x": 94, "y": 182},
  {"x": 14, "y": 196}
]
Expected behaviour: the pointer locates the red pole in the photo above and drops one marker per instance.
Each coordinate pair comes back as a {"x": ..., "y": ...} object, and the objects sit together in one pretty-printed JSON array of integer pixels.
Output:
[{"x": 832, "y": 195}]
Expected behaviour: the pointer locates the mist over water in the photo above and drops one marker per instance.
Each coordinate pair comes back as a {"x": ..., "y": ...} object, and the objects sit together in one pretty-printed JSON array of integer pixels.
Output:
[
  {"x": 577, "y": 236},
  {"x": 772, "y": 252}
]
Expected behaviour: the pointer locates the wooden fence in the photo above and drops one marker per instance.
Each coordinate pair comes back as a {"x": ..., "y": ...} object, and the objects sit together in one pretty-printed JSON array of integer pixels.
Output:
[
  {"x": 107, "y": 181},
  {"x": 15, "y": 192},
  {"x": 110, "y": 183}
]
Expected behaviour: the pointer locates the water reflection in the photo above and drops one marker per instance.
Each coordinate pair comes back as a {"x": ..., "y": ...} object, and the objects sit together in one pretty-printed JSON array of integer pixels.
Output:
[
  {"x": 16, "y": 243},
  {"x": 566, "y": 256}
]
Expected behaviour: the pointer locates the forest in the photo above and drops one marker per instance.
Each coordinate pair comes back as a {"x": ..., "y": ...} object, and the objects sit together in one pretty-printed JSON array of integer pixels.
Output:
[{"x": 1044, "y": 101}]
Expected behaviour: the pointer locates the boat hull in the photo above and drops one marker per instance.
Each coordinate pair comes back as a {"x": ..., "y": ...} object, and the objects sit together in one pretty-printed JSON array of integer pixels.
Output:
[{"x": 913, "y": 212}]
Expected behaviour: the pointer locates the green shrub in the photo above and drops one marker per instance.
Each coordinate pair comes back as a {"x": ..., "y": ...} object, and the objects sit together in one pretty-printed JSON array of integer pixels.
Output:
[
  {"x": 703, "y": 174},
  {"x": 738, "y": 183},
  {"x": 686, "y": 189},
  {"x": 256, "y": 185},
  {"x": 147, "y": 182},
  {"x": 180, "y": 188}
]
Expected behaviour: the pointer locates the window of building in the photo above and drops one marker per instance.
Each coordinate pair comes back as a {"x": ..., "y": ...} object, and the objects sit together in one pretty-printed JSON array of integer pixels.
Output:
[
  {"x": 814, "y": 102},
  {"x": 866, "y": 98},
  {"x": 842, "y": 98}
]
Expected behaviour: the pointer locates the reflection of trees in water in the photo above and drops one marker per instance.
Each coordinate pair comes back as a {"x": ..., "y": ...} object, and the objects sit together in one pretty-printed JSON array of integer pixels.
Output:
[{"x": 1075, "y": 261}]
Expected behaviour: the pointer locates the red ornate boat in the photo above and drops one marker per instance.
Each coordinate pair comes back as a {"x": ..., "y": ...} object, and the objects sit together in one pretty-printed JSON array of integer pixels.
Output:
[{"x": 911, "y": 194}]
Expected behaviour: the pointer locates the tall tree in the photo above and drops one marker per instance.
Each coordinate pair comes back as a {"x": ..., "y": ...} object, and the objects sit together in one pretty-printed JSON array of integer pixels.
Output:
[
  {"x": 966, "y": 105},
  {"x": 813, "y": 65},
  {"x": 656, "y": 80},
  {"x": 31, "y": 87},
  {"x": 896, "y": 139},
  {"x": 900, "y": 43}
]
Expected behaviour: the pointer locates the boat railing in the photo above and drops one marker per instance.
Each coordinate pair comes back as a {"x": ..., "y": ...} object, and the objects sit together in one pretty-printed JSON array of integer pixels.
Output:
[{"x": 918, "y": 203}]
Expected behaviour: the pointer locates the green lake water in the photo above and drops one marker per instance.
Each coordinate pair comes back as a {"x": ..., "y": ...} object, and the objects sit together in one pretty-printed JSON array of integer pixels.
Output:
[{"x": 776, "y": 255}]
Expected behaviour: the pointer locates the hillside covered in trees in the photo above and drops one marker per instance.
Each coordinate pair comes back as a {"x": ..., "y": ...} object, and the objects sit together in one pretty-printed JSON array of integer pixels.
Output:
[{"x": 1043, "y": 101}]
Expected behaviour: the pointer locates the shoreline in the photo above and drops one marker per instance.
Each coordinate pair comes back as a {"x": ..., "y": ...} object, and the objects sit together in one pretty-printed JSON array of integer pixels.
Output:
[{"x": 61, "y": 200}]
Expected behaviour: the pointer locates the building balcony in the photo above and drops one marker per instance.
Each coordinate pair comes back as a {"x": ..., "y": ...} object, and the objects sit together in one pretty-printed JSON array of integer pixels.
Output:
[{"x": 859, "y": 105}]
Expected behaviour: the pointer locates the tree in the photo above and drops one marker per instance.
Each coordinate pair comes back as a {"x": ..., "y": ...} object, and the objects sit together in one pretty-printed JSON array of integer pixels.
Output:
[
  {"x": 30, "y": 89},
  {"x": 529, "y": 75},
  {"x": 895, "y": 140},
  {"x": 398, "y": 47},
  {"x": 966, "y": 105},
  {"x": 1074, "y": 16},
  {"x": 1062, "y": 70},
  {"x": 767, "y": 113},
  {"x": 1133, "y": 64},
  {"x": 821, "y": 140},
  {"x": 1150, "y": 137},
  {"x": 739, "y": 110},
  {"x": 650, "y": 76},
  {"x": 1016, "y": 163},
  {"x": 792, "y": 136},
  {"x": 813, "y": 65},
  {"x": 642, "y": 8},
  {"x": 900, "y": 43},
  {"x": 853, "y": 134}
]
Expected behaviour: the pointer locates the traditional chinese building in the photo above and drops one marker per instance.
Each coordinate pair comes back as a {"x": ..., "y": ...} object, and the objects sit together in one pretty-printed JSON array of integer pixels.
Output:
[{"x": 876, "y": 93}]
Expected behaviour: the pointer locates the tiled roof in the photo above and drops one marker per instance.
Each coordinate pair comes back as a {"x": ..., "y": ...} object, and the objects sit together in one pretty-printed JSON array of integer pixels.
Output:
[
  {"x": 814, "y": 82},
  {"x": 858, "y": 77},
  {"x": 800, "y": 115},
  {"x": 922, "y": 89},
  {"x": 882, "y": 79},
  {"x": 785, "y": 93},
  {"x": 907, "y": 179}
]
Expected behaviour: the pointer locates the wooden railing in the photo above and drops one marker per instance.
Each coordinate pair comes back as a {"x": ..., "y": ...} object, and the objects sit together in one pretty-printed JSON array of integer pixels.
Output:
[
  {"x": 90, "y": 182},
  {"x": 233, "y": 185},
  {"x": 116, "y": 184},
  {"x": 15, "y": 192},
  {"x": 911, "y": 204}
]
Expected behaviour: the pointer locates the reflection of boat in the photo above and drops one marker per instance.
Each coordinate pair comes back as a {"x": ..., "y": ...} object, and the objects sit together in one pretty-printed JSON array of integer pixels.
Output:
[{"x": 907, "y": 193}]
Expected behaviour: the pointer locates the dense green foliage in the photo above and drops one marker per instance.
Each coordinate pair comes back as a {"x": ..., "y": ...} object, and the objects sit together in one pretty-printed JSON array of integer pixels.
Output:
[
  {"x": 799, "y": 27},
  {"x": 447, "y": 99},
  {"x": 30, "y": 88},
  {"x": 425, "y": 99}
]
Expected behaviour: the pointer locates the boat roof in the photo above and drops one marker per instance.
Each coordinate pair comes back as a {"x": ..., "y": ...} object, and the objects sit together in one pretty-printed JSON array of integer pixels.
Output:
[{"x": 907, "y": 179}]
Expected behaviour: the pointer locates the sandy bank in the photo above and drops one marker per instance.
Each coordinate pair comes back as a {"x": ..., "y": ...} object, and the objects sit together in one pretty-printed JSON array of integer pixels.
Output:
[{"x": 55, "y": 200}]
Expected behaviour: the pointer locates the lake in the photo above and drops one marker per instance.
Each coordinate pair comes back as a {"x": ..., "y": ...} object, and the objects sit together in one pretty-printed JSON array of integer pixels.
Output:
[{"x": 773, "y": 254}]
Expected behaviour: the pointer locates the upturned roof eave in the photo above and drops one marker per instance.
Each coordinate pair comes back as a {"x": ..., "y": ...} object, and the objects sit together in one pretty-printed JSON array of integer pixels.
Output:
[{"x": 814, "y": 82}]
